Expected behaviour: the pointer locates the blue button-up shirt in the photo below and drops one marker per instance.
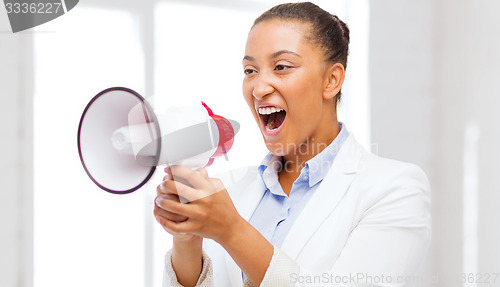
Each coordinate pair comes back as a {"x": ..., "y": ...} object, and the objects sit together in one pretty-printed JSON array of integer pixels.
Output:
[{"x": 276, "y": 212}]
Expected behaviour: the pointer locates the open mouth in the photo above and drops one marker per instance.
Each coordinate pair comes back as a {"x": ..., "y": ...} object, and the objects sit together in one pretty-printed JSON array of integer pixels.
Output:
[{"x": 272, "y": 118}]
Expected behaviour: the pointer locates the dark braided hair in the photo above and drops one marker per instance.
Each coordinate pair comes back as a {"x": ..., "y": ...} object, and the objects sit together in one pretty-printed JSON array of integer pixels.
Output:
[{"x": 329, "y": 32}]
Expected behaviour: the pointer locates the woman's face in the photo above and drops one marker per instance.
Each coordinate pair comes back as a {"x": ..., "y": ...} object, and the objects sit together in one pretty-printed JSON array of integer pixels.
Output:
[{"x": 284, "y": 83}]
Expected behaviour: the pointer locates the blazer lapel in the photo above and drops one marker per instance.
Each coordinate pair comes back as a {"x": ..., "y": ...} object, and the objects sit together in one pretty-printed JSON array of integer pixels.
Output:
[
  {"x": 246, "y": 190},
  {"x": 326, "y": 197}
]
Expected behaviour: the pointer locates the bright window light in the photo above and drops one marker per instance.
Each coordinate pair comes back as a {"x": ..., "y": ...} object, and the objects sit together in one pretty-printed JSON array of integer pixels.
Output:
[{"x": 83, "y": 235}]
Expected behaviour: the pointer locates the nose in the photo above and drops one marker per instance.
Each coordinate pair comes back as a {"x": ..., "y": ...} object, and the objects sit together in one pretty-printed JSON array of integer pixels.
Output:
[{"x": 262, "y": 87}]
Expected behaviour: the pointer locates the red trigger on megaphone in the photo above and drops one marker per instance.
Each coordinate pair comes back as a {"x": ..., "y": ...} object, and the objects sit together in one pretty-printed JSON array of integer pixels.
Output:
[{"x": 226, "y": 134}]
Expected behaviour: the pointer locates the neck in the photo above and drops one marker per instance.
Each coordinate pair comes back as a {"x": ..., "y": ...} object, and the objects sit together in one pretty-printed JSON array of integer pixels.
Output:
[{"x": 296, "y": 159}]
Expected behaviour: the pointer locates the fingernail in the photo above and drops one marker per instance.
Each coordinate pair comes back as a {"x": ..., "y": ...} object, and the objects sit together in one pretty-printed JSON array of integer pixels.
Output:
[
  {"x": 158, "y": 201},
  {"x": 161, "y": 189},
  {"x": 158, "y": 219}
]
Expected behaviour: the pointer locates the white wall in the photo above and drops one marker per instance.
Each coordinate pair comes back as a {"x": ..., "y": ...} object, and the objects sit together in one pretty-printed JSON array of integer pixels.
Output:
[
  {"x": 470, "y": 53},
  {"x": 16, "y": 174},
  {"x": 434, "y": 73}
]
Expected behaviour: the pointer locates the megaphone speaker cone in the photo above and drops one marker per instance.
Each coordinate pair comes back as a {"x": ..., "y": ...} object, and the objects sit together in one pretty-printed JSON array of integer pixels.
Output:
[{"x": 112, "y": 170}]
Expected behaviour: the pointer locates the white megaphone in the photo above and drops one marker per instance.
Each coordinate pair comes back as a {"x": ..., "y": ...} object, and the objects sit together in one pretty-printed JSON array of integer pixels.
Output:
[{"x": 121, "y": 139}]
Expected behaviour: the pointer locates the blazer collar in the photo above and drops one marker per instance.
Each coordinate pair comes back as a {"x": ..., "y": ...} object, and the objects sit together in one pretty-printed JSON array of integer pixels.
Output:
[{"x": 246, "y": 191}]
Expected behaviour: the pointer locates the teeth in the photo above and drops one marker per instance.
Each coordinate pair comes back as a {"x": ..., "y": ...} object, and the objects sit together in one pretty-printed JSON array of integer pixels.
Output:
[{"x": 269, "y": 110}]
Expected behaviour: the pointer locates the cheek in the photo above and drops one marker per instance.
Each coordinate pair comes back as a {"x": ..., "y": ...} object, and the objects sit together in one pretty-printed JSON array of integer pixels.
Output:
[
  {"x": 304, "y": 97},
  {"x": 305, "y": 105}
]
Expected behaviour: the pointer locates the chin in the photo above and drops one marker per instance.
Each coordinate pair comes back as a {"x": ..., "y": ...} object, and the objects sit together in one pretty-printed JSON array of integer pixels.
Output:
[{"x": 278, "y": 148}]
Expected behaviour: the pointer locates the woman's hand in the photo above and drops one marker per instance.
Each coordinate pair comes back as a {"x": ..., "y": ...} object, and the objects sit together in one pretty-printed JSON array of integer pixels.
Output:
[
  {"x": 162, "y": 215},
  {"x": 210, "y": 212}
]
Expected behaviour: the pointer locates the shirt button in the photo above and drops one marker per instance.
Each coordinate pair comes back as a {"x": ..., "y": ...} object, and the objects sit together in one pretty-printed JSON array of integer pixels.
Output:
[{"x": 306, "y": 177}]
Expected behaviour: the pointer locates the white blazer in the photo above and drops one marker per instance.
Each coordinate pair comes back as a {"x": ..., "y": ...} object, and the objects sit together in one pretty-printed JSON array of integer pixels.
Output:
[{"x": 368, "y": 223}]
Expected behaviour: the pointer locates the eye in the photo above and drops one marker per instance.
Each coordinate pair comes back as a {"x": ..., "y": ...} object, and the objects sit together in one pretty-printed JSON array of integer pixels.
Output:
[
  {"x": 281, "y": 67},
  {"x": 248, "y": 71}
]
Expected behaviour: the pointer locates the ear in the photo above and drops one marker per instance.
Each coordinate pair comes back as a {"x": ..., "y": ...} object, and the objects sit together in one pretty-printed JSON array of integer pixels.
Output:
[{"x": 334, "y": 79}]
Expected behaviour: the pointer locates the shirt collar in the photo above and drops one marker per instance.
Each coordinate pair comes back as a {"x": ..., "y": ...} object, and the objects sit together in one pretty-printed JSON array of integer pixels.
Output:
[
  {"x": 315, "y": 169},
  {"x": 268, "y": 170}
]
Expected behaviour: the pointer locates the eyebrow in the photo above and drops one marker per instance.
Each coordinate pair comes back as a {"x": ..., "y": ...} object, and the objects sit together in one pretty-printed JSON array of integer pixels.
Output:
[
  {"x": 248, "y": 58},
  {"x": 281, "y": 52},
  {"x": 273, "y": 55}
]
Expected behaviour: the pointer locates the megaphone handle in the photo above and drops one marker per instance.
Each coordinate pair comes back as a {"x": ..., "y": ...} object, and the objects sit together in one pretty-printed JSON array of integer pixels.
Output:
[
  {"x": 183, "y": 181},
  {"x": 183, "y": 199},
  {"x": 225, "y": 152}
]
